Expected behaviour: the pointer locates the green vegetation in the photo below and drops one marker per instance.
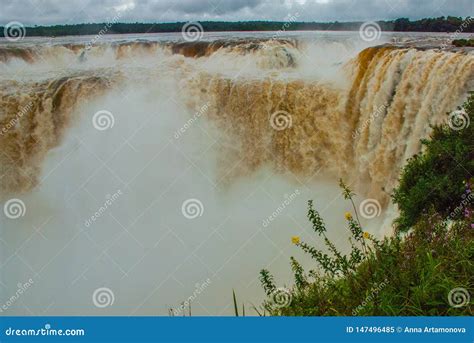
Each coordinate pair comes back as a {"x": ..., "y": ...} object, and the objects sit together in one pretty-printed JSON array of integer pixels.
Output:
[
  {"x": 427, "y": 268},
  {"x": 236, "y": 306},
  {"x": 463, "y": 42},
  {"x": 440, "y": 24},
  {"x": 435, "y": 180}
]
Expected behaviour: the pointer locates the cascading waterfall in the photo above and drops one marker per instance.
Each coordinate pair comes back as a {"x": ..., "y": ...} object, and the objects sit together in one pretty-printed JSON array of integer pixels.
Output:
[
  {"x": 245, "y": 126},
  {"x": 34, "y": 118},
  {"x": 363, "y": 131},
  {"x": 396, "y": 96}
]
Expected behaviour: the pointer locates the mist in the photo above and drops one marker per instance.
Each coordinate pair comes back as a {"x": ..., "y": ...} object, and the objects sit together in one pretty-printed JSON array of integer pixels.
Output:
[{"x": 159, "y": 173}]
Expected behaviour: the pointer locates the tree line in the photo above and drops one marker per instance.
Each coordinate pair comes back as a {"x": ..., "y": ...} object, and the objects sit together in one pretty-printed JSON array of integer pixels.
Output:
[{"x": 440, "y": 24}]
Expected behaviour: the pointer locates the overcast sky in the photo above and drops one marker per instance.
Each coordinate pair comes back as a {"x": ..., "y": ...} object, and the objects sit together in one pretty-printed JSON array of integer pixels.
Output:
[{"x": 48, "y": 12}]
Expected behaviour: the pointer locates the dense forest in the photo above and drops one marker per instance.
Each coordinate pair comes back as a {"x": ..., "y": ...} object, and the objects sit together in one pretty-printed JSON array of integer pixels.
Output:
[{"x": 440, "y": 24}]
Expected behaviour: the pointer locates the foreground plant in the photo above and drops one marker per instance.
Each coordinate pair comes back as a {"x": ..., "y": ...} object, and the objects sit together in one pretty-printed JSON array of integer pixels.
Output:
[
  {"x": 427, "y": 268},
  {"x": 331, "y": 265},
  {"x": 413, "y": 275}
]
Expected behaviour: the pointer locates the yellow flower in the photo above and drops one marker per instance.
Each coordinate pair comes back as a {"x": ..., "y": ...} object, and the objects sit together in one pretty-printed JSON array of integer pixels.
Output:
[
  {"x": 295, "y": 239},
  {"x": 348, "y": 215},
  {"x": 366, "y": 235}
]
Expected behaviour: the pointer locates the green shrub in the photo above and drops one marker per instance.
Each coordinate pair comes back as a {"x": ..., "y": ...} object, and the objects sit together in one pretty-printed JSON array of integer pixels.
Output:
[
  {"x": 463, "y": 42},
  {"x": 408, "y": 276},
  {"x": 436, "y": 179}
]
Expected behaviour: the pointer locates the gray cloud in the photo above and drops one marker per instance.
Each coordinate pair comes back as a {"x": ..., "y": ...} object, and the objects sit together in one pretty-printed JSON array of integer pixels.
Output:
[{"x": 38, "y": 12}]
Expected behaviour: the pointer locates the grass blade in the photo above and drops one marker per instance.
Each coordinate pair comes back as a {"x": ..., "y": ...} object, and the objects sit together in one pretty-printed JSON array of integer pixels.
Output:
[{"x": 235, "y": 304}]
